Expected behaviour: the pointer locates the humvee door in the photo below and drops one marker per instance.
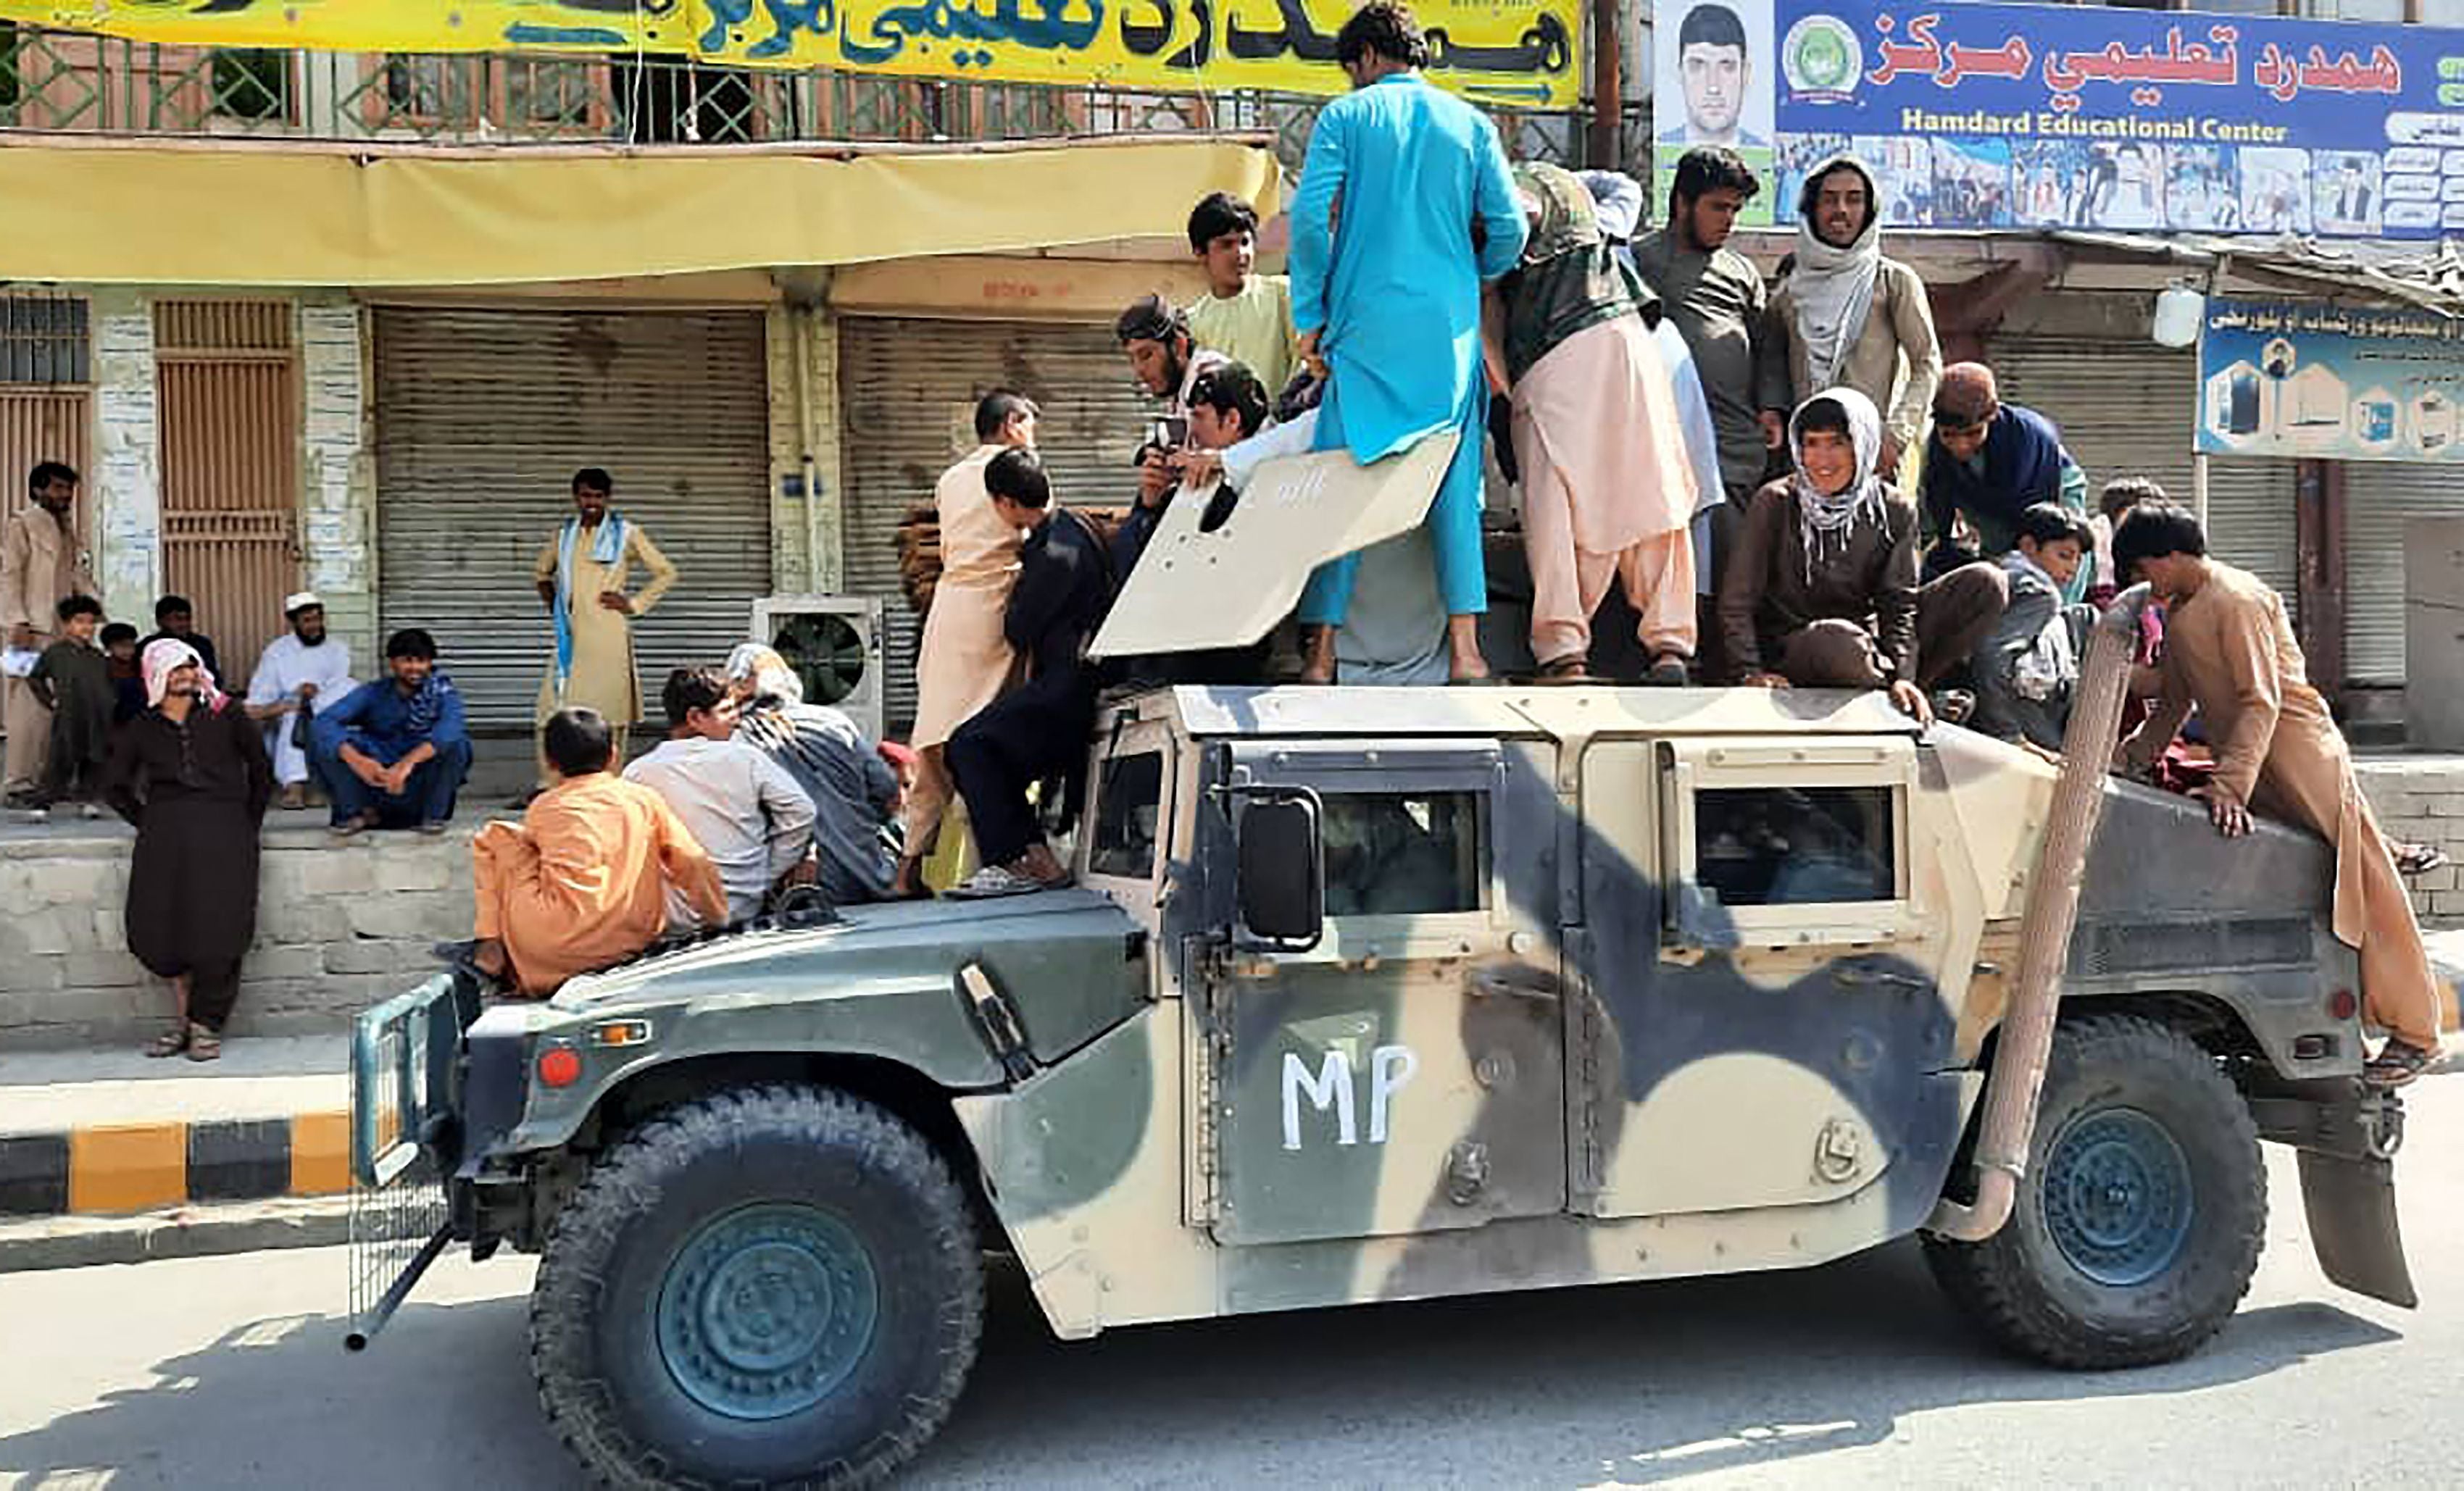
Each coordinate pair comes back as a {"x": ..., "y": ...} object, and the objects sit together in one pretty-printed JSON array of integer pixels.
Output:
[
  {"x": 1765, "y": 920},
  {"x": 1405, "y": 1074}
]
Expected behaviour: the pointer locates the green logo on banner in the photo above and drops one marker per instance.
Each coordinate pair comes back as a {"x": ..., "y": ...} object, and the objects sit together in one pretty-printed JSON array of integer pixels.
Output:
[{"x": 1821, "y": 55}]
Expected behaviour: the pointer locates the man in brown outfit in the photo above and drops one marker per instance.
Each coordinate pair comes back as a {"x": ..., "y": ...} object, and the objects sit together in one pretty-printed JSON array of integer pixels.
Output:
[
  {"x": 2230, "y": 650},
  {"x": 41, "y": 564},
  {"x": 1821, "y": 586}
]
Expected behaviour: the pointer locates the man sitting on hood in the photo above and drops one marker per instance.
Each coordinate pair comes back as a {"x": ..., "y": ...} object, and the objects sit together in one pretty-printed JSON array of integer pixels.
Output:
[{"x": 1850, "y": 315}]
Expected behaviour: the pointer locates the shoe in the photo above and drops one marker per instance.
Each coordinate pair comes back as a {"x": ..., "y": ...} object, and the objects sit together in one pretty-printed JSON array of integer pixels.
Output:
[
  {"x": 434, "y": 828},
  {"x": 2398, "y": 1063},
  {"x": 992, "y": 881},
  {"x": 352, "y": 827},
  {"x": 1668, "y": 671},
  {"x": 1954, "y": 706},
  {"x": 89, "y": 811},
  {"x": 294, "y": 798}
]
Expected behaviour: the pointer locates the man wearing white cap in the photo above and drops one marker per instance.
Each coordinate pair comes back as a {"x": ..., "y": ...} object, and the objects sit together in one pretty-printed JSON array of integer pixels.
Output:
[{"x": 302, "y": 670}]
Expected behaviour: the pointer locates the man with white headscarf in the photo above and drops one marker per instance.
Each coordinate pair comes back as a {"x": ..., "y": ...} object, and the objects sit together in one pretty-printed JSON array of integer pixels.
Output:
[
  {"x": 854, "y": 792},
  {"x": 1854, "y": 318},
  {"x": 1822, "y": 588},
  {"x": 191, "y": 774}
]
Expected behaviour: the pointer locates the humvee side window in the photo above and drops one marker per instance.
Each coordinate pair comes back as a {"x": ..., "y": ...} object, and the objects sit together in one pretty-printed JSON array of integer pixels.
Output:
[
  {"x": 1794, "y": 846},
  {"x": 1129, "y": 805},
  {"x": 1403, "y": 854}
]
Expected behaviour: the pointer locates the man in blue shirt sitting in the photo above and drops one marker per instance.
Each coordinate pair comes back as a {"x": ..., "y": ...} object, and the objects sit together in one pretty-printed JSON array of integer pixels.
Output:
[{"x": 394, "y": 753}]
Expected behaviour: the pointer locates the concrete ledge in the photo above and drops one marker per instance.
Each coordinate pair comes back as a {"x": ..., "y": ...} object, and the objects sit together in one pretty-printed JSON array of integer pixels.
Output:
[{"x": 341, "y": 925}]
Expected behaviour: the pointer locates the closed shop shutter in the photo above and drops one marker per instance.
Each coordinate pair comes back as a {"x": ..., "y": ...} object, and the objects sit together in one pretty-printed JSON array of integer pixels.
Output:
[
  {"x": 2126, "y": 410},
  {"x": 2380, "y": 498},
  {"x": 910, "y": 392},
  {"x": 482, "y": 418}
]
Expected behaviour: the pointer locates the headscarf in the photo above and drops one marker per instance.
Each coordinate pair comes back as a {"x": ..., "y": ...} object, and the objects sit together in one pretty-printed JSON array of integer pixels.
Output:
[
  {"x": 1834, "y": 288},
  {"x": 606, "y": 547},
  {"x": 772, "y": 681},
  {"x": 1830, "y": 518},
  {"x": 164, "y": 656},
  {"x": 426, "y": 703}
]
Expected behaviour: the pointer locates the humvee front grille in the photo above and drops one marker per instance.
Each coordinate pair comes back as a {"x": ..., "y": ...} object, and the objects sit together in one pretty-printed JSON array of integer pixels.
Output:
[{"x": 2104, "y": 950}]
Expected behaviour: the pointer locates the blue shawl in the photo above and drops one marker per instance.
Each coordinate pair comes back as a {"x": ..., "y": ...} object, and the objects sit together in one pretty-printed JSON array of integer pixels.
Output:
[{"x": 606, "y": 547}]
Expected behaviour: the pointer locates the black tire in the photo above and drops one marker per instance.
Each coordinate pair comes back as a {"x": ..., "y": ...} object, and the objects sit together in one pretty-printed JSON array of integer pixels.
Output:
[
  {"x": 2159, "y": 1280},
  {"x": 786, "y": 1196}
]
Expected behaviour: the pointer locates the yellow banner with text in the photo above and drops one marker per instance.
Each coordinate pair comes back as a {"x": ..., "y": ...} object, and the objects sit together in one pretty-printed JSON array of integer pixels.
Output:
[{"x": 1511, "y": 54}]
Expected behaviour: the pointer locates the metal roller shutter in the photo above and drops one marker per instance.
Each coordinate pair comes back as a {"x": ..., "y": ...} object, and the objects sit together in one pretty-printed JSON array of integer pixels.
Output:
[
  {"x": 2380, "y": 498},
  {"x": 2127, "y": 409},
  {"x": 910, "y": 392},
  {"x": 482, "y": 418}
]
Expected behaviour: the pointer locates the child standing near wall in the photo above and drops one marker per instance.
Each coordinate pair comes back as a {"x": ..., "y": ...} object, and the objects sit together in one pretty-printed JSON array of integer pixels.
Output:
[{"x": 73, "y": 678}]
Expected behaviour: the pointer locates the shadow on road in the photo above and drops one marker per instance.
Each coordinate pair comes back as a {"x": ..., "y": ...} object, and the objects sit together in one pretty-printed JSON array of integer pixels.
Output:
[
  {"x": 444, "y": 1400},
  {"x": 1631, "y": 1383},
  {"x": 1567, "y": 1387}
]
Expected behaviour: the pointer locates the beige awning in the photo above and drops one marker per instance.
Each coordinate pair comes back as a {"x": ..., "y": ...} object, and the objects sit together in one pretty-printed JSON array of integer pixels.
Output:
[{"x": 300, "y": 215}]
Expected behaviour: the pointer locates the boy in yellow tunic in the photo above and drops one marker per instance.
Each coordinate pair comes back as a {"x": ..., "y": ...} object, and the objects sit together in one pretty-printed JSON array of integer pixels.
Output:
[
  {"x": 1245, "y": 315},
  {"x": 2228, "y": 650},
  {"x": 582, "y": 574}
]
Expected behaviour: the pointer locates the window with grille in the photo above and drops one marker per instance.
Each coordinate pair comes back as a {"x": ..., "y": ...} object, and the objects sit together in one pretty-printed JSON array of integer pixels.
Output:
[
  {"x": 43, "y": 341},
  {"x": 252, "y": 83}
]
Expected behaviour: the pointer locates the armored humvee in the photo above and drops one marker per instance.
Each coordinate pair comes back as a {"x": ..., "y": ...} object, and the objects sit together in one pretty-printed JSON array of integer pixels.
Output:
[{"x": 1367, "y": 995}]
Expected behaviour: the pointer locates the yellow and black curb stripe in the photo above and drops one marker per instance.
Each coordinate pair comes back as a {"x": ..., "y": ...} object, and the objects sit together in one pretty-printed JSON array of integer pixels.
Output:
[{"x": 111, "y": 1169}]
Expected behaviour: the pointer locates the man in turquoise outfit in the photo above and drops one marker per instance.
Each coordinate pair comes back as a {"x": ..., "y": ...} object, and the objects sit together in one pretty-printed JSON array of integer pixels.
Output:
[{"x": 1405, "y": 207}]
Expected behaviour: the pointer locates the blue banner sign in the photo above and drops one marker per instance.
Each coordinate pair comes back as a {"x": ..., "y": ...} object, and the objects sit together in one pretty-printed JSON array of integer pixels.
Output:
[
  {"x": 2010, "y": 116},
  {"x": 2292, "y": 378}
]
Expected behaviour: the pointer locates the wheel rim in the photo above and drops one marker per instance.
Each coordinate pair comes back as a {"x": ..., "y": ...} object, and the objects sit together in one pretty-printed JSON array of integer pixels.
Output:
[
  {"x": 2118, "y": 1197},
  {"x": 764, "y": 1312}
]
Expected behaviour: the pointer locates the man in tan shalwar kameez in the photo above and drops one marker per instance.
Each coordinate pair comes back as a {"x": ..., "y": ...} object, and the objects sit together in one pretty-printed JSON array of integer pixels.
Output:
[
  {"x": 582, "y": 883},
  {"x": 964, "y": 662},
  {"x": 2230, "y": 650},
  {"x": 1607, "y": 492},
  {"x": 41, "y": 564},
  {"x": 582, "y": 574}
]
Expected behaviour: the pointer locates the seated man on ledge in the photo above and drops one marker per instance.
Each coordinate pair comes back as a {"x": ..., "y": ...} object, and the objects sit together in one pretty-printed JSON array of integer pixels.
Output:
[
  {"x": 1821, "y": 587},
  {"x": 582, "y": 883},
  {"x": 393, "y": 752}
]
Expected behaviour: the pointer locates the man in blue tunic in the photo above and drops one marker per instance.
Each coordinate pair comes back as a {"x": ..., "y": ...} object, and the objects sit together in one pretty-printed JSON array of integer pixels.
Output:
[{"x": 1405, "y": 207}]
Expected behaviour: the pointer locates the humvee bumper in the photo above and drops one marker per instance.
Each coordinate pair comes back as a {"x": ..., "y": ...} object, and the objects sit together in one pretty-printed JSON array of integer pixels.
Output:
[{"x": 406, "y": 1081}]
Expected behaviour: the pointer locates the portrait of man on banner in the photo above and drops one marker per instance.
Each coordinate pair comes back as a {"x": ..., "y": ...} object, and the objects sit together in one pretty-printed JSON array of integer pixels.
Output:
[{"x": 1715, "y": 83}]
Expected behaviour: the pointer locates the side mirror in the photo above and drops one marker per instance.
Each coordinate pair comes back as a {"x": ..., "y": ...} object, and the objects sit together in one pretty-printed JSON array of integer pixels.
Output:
[{"x": 1283, "y": 876}]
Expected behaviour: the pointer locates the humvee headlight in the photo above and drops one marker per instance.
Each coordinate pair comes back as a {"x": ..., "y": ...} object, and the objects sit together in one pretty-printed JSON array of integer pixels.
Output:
[
  {"x": 560, "y": 1066},
  {"x": 620, "y": 1033}
]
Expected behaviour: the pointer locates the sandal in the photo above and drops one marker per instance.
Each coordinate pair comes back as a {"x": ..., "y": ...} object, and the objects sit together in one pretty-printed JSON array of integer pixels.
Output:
[
  {"x": 1668, "y": 671},
  {"x": 1569, "y": 669},
  {"x": 2418, "y": 859},
  {"x": 204, "y": 1045},
  {"x": 170, "y": 1043},
  {"x": 2398, "y": 1062}
]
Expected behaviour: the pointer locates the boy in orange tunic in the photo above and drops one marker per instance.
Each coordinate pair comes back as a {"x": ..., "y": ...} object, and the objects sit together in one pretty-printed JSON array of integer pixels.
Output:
[{"x": 582, "y": 884}]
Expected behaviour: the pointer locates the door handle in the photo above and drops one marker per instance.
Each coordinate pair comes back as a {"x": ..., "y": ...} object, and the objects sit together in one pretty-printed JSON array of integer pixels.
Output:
[{"x": 1517, "y": 981}]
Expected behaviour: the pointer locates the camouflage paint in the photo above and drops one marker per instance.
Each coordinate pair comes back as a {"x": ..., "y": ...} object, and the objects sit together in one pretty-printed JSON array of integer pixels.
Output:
[{"x": 1586, "y": 1100}]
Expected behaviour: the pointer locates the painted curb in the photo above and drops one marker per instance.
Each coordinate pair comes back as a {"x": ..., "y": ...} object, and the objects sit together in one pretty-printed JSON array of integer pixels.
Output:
[
  {"x": 83, "y": 1242},
  {"x": 121, "y": 1170}
]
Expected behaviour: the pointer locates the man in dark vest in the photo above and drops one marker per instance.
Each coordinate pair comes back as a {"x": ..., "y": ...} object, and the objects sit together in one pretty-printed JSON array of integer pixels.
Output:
[{"x": 1039, "y": 730}]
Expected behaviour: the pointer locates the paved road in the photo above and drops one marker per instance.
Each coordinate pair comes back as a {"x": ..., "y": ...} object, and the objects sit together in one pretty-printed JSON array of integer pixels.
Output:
[{"x": 227, "y": 1373}]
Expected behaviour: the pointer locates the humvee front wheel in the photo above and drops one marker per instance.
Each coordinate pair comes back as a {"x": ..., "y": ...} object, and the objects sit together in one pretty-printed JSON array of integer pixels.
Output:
[
  {"x": 776, "y": 1287},
  {"x": 2139, "y": 1224}
]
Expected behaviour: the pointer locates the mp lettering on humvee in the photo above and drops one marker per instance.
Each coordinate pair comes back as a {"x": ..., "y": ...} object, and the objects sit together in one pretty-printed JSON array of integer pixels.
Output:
[{"x": 1368, "y": 995}]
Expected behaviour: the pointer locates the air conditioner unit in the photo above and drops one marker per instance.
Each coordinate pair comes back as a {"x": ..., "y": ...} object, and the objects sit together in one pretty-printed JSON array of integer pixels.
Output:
[{"x": 834, "y": 644}]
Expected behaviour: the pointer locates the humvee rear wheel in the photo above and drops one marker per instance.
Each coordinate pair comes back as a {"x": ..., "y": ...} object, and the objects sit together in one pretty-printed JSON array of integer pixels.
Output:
[
  {"x": 2139, "y": 1224},
  {"x": 772, "y": 1287}
]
